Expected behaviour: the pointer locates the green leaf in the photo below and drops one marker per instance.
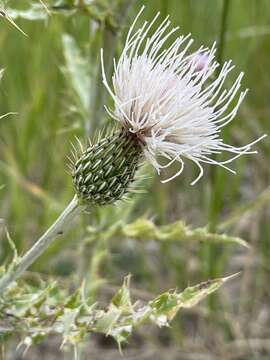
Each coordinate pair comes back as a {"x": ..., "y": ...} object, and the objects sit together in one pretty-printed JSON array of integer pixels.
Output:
[
  {"x": 77, "y": 72},
  {"x": 144, "y": 229},
  {"x": 166, "y": 306},
  {"x": 122, "y": 298},
  {"x": 37, "y": 314},
  {"x": 108, "y": 320},
  {"x": 74, "y": 300}
]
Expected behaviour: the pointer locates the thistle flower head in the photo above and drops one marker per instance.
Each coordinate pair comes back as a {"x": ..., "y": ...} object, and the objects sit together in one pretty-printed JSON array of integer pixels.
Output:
[
  {"x": 170, "y": 100},
  {"x": 169, "y": 105}
]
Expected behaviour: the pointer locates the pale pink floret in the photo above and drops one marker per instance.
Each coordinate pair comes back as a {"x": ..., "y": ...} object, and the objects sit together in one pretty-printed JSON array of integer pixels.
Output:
[
  {"x": 200, "y": 61},
  {"x": 171, "y": 100}
]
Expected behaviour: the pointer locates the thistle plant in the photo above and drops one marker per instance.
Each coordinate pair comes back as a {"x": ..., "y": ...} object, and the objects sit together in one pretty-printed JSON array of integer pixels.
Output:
[
  {"x": 39, "y": 312},
  {"x": 166, "y": 107}
]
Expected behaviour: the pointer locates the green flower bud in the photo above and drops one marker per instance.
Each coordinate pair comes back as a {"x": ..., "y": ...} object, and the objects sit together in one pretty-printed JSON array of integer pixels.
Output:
[{"x": 104, "y": 171}]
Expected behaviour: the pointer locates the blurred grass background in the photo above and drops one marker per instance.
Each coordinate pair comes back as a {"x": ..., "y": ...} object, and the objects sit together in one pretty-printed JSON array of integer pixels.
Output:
[{"x": 39, "y": 84}]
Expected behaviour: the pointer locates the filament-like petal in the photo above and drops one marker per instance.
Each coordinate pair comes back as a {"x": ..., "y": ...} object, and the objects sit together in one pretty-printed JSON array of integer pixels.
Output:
[{"x": 168, "y": 98}]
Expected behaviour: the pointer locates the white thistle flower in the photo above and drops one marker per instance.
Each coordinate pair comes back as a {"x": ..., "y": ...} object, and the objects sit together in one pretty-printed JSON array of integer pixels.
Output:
[{"x": 175, "y": 108}]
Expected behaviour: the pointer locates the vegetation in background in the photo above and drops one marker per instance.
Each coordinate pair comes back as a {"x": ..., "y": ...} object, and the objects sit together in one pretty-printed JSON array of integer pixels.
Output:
[{"x": 171, "y": 236}]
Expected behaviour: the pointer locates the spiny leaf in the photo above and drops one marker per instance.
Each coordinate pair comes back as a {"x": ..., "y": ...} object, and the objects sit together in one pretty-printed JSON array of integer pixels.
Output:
[
  {"x": 144, "y": 229},
  {"x": 40, "y": 313},
  {"x": 168, "y": 304},
  {"x": 122, "y": 298}
]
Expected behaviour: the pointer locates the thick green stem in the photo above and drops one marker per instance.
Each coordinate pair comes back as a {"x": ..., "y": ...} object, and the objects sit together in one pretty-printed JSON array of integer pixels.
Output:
[{"x": 58, "y": 228}]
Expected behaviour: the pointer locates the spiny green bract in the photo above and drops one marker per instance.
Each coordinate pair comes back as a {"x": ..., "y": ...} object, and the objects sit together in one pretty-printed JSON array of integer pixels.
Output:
[{"x": 105, "y": 170}]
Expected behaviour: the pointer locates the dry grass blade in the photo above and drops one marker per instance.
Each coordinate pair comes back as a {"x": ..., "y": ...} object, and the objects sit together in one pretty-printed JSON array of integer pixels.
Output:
[
  {"x": 45, "y": 7},
  {"x": 5, "y": 15}
]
